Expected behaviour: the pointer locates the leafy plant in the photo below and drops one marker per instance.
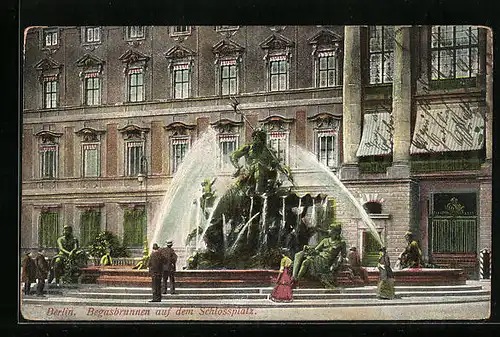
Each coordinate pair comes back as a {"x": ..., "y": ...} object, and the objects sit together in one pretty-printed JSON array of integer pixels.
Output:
[{"x": 107, "y": 240}]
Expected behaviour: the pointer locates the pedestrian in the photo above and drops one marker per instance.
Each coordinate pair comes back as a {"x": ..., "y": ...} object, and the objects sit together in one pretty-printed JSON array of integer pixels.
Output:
[
  {"x": 354, "y": 261},
  {"x": 42, "y": 270},
  {"x": 155, "y": 265},
  {"x": 28, "y": 272},
  {"x": 283, "y": 292},
  {"x": 385, "y": 288},
  {"x": 170, "y": 260}
]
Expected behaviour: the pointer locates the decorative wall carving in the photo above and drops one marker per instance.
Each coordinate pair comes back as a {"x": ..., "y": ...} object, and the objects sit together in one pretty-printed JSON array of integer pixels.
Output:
[
  {"x": 226, "y": 126},
  {"x": 132, "y": 131},
  {"x": 325, "y": 121},
  {"x": 48, "y": 137},
  {"x": 179, "y": 129},
  {"x": 276, "y": 123},
  {"x": 89, "y": 134}
]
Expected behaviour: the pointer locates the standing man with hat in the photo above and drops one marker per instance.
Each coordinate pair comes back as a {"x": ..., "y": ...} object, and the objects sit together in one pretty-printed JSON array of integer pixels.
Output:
[
  {"x": 28, "y": 275},
  {"x": 155, "y": 265},
  {"x": 170, "y": 259},
  {"x": 42, "y": 271}
]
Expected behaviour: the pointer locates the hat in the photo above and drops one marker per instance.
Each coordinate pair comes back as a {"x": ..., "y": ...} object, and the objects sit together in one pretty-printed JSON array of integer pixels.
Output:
[
  {"x": 408, "y": 233},
  {"x": 335, "y": 228},
  {"x": 352, "y": 248},
  {"x": 284, "y": 250},
  {"x": 169, "y": 243},
  {"x": 155, "y": 246}
]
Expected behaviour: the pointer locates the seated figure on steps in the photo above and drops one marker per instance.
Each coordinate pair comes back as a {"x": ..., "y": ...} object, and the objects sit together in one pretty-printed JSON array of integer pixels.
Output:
[{"x": 327, "y": 257}]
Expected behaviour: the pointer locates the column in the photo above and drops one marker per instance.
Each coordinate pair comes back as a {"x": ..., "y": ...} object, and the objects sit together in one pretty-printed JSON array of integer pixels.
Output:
[
  {"x": 300, "y": 128},
  {"x": 351, "y": 121},
  {"x": 401, "y": 102},
  {"x": 69, "y": 149},
  {"x": 489, "y": 95},
  {"x": 111, "y": 150},
  {"x": 157, "y": 147},
  {"x": 202, "y": 124},
  {"x": 251, "y": 122},
  {"x": 28, "y": 158}
]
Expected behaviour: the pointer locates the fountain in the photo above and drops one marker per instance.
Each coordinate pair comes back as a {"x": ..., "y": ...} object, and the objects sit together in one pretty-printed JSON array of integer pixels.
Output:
[
  {"x": 232, "y": 229},
  {"x": 245, "y": 223}
]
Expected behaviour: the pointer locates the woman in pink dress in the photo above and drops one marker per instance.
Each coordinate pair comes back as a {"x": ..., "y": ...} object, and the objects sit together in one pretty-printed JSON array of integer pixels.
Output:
[{"x": 282, "y": 292}]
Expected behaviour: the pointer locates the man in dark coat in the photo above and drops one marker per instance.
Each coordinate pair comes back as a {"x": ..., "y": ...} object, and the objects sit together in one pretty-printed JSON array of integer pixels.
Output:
[
  {"x": 42, "y": 270},
  {"x": 170, "y": 259},
  {"x": 155, "y": 265},
  {"x": 28, "y": 272}
]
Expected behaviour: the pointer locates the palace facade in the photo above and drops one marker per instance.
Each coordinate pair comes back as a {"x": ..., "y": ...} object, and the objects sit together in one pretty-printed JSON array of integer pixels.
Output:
[{"x": 402, "y": 114}]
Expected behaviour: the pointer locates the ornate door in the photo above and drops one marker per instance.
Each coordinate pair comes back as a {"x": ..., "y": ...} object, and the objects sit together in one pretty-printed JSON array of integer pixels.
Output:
[{"x": 453, "y": 230}]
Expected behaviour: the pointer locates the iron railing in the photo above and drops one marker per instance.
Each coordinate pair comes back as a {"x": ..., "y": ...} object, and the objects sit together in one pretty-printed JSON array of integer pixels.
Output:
[{"x": 454, "y": 234}]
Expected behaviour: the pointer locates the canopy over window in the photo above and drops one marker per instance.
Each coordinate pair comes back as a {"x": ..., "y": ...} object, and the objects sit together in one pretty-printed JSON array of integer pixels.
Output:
[
  {"x": 377, "y": 135},
  {"x": 448, "y": 127}
]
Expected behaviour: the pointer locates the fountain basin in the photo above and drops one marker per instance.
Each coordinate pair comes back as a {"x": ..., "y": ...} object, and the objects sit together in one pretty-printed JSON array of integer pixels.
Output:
[{"x": 126, "y": 276}]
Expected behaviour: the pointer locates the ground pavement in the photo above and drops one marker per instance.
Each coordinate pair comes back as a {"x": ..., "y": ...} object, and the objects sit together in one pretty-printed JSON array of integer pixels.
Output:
[{"x": 98, "y": 302}]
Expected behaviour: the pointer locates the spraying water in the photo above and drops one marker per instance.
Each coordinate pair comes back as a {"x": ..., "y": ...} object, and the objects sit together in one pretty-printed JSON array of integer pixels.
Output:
[
  {"x": 240, "y": 235},
  {"x": 172, "y": 221},
  {"x": 263, "y": 228},
  {"x": 283, "y": 213},
  {"x": 208, "y": 223},
  {"x": 321, "y": 175}
]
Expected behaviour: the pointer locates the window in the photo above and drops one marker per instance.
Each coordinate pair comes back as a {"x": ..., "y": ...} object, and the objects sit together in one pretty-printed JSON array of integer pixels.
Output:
[
  {"x": 91, "y": 160},
  {"x": 278, "y": 141},
  {"x": 229, "y": 79},
  {"x": 50, "y": 38},
  {"x": 135, "y": 85},
  {"x": 325, "y": 148},
  {"x": 454, "y": 52},
  {"x": 181, "y": 81},
  {"x": 50, "y": 92},
  {"x": 134, "y": 152},
  {"x": 227, "y": 144},
  {"x": 181, "y": 30},
  {"x": 135, "y": 67},
  {"x": 134, "y": 227},
  {"x": 92, "y": 34},
  {"x": 90, "y": 226},
  {"x": 327, "y": 70},
  {"x": 179, "y": 148},
  {"x": 278, "y": 73},
  {"x": 48, "y": 231},
  {"x": 135, "y": 32},
  {"x": 48, "y": 161},
  {"x": 92, "y": 89},
  {"x": 381, "y": 53}
]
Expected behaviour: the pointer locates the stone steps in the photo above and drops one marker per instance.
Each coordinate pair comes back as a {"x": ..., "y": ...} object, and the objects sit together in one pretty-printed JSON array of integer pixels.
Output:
[
  {"x": 94, "y": 294},
  {"x": 120, "y": 276},
  {"x": 297, "y": 296},
  {"x": 260, "y": 290}
]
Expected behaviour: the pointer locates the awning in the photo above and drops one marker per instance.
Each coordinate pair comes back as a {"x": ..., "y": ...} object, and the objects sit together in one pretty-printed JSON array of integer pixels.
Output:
[
  {"x": 377, "y": 135},
  {"x": 448, "y": 127}
]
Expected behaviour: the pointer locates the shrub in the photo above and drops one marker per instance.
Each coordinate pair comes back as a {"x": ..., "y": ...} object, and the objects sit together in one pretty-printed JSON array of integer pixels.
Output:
[{"x": 107, "y": 240}]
